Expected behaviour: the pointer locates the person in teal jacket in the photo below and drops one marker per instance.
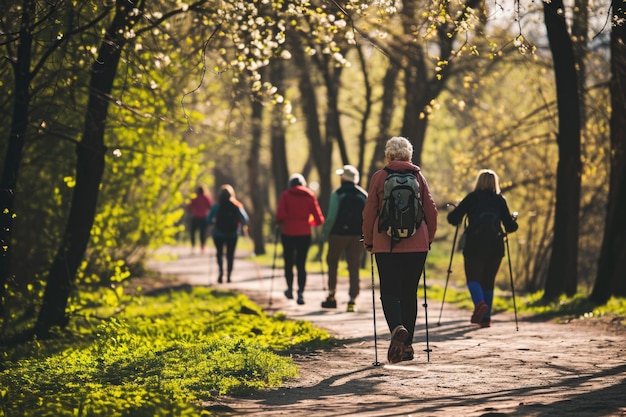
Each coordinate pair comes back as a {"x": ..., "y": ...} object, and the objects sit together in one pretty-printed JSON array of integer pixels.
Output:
[
  {"x": 342, "y": 230},
  {"x": 229, "y": 218}
]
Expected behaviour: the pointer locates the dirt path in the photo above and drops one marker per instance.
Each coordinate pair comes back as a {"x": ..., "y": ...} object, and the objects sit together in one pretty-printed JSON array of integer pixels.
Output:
[{"x": 542, "y": 369}]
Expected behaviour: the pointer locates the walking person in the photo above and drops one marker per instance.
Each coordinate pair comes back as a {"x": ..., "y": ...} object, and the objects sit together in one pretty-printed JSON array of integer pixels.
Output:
[
  {"x": 487, "y": 211},
  {"x": 198, "y": 209},
  {"x": 400, "y": 257},
  {"x": 298, "y": 210},
  {"x": 342, "y": 230},
  {"x": 230, "y": 218}
]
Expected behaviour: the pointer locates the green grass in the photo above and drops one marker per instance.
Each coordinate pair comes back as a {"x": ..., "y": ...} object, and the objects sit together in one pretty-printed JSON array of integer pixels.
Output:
[{"x": 157, "y": 356}]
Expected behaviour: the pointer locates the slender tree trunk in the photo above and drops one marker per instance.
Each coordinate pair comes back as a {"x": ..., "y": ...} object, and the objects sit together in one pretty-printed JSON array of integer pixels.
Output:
[
  {"x": 420, "y": 89},
  {"x": 611, "y": 279},
  {"x": 562, "y": 271},
  {"x": 323, "y": 149},
  {"x": 280, "y": 171},
  {"x": 580, "y": 29},
  {"x": 257, "y": 212},
  {"x": 17, "y": 137},
  {"x": 386, "y": 114},
  {"x": 90, "y": 154},
  {"x": 334, "y": 133},
  {"x": 367, "y": 111}
]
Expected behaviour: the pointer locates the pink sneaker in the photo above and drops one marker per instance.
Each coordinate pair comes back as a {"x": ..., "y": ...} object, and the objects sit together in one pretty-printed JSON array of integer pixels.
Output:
[{"x": 479, "y": 312}]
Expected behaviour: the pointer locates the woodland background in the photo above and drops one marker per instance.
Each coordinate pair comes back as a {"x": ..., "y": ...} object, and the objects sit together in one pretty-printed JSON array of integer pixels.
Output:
[{"x": 113, "y": 111}]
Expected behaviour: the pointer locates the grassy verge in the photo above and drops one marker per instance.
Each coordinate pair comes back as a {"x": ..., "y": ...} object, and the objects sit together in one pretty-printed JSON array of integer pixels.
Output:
[{"x": 161, "y": 355}]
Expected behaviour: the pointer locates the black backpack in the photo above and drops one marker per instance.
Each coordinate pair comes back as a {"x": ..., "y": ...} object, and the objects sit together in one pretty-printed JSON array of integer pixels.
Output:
[
  {"x": 485, "y": 230},
  {"x": 227, "y": 218},
  {"x": 402, "y": 211},
  {"x": 349, "y": 218}
]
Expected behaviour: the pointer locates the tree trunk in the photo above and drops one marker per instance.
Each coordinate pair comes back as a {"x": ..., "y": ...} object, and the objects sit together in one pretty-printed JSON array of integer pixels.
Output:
[
  {"x": 280, "y": 171},
  {"x": 90, "y": 154},
  {"x": 611, "y": 279},
  {"x": 257, "y": 212},
  {"x": 562, "y": 271},
  {"x": 17, "y": 136},
  {"x": 419, "y": 89},
  {"x": 367, "y": 111},
  {"x": 322, "y": 149},
  {"x": 386, "y": 114}
]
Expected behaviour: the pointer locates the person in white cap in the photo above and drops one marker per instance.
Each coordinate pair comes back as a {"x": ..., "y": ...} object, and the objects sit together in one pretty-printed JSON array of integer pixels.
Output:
[{"x": 342, "y": 230}]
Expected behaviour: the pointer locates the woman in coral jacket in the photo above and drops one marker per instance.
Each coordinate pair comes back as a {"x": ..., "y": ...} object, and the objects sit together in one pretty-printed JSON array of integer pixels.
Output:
[
  {"x": 400, "y": 264},
  {"x": 298, "y": 210},
  {"x": 198, "y": 208}
]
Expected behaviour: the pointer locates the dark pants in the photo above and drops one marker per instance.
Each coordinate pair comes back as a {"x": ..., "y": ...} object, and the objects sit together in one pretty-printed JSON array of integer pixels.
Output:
[
  {"x": 482, "y": 269},
  {"x": 231, "y": 244},
  {"x": 198, "y": 226},
  {"x": 295, "y": 250},
  {"x": 399, "y": 277}
]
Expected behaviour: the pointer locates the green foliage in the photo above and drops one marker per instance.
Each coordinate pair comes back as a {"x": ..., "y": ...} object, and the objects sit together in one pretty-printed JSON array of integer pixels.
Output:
[{"x": 161, "y": 355}]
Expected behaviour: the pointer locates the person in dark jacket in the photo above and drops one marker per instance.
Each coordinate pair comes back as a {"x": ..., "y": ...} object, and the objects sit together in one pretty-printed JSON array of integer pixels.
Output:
[
  {"x": 400, "y": 264},
  {"x": 230, "y": 218},
  {"x": 298, "y": 210},
  {"x": 487, "y": 211},
  {"x": 342, "y": 230}
]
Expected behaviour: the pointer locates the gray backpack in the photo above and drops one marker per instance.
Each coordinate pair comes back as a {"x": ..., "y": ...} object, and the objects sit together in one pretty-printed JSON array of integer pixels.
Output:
[{"x": 402, "y": 211}]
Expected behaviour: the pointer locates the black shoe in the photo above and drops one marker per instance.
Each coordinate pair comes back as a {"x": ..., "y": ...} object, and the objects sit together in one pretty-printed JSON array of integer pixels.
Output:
[
  {"x": 219, "y": 279},
  {"x": 300, "y": 298},
  {"x": 289, "y": 294},
  {"x": 329, "y": 303}
]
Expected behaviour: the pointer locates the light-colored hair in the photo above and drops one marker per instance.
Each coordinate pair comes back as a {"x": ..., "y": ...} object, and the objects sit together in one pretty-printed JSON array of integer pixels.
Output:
[
  {"x": 398, "y": 148},
  {"x": 227, "y": 193},
  {"x": 487, "y": 180},
  {"x": 296, "y": 179}
]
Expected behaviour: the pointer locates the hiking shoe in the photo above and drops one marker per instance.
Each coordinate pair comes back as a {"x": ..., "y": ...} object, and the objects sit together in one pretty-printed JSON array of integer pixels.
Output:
[
  {"x": 351, "y": 307},
  {"x": 300, "y": 298},
  {"x": 408, "y": 353},
  {"x": 289, "y": 294},
  {"x": 329, "y": 303},
  {"x": 396, "y": 347},
  {"x": 479, "y": 312}
]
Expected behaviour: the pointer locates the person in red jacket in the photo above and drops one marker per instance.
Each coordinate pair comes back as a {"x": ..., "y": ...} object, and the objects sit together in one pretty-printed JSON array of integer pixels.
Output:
[
  {"x": 400, "y": 264},
  {"x": 198, "y": 208},
  {"x": 298, "y": 210}
]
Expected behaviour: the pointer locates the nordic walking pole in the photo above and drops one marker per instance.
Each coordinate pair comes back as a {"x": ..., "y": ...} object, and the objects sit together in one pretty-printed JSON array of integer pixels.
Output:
[
  {"x": 274, "y": 263},
  {"x": 375, "y": 363},
  {"x": 322, "y": 267},
  {"x": 428, "y": 349},
  {"x": 508, "y": 255},
  {"x": 445, "y": 288}
]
